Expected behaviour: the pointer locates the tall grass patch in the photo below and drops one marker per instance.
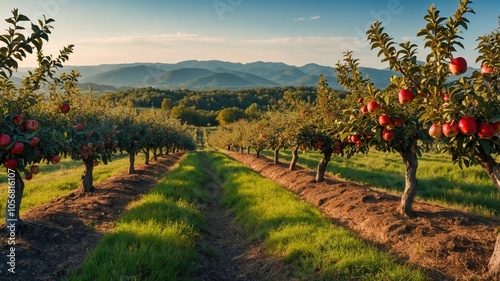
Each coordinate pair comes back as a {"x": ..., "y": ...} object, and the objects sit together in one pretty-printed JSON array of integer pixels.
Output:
[{"x": 155, "y": 238}]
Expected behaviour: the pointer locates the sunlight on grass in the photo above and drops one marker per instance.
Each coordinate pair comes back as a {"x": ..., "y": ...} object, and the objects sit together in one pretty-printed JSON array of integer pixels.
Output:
[
  {"x": 297, "y": 231},
  {"x": 155, "y": 239},
  {"x": 440, "y": 181},
  {"x": 54, "y": 181}
]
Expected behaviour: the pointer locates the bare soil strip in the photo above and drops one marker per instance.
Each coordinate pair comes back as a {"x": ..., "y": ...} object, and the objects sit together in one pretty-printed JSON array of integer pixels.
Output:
[
  {"x": 67, "y": 229},
  {"x": 228, "y": 255},
  {"x": 449, "y": 244}
]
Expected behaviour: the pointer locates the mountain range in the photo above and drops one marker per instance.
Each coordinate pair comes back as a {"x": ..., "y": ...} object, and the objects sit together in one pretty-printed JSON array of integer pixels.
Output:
[{"x": 213, "y": 74}]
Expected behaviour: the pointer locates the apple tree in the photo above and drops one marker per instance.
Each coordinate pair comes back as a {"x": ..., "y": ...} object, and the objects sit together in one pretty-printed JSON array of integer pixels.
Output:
[{"x": 27, "y": 137}]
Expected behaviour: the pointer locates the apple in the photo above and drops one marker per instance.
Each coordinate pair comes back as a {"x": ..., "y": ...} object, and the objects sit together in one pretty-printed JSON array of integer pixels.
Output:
[
  {"x": 485, "y": 131},
  {"x": 17, "y": 148},
  {"x": 303, "y": 147},
  {"x": 458, "y": 66},
  {"x": 64, "y": 107},
  {"x": 373, "y": 106},
  {"x": 35, "y": 169},
  {"x": 446, "y": 97},
  {"x": 360, "y": 100},
  {"x": 55, "y": 159},
  {"x": 496, "y": 125},
  {"x": 385, "y": 121},
  {"x": 486, "y": 69},
  {"x": 11, "y": 163},
  {"x": 398, "y": 121},
  {"x": 78, "y": 127},
  {"x": 450, "y": 130},
  {"x": 467, "y": 125},
  {"x": 4, "y": 140},
  {"x": 18, "y": 120},
  {"x": 28, "y": 175},
  {"x": 364, "y": 109},
  {"x": 95, "y": 163},
  {"x": 388, "y": 135},
  {"x": 34, "y": 141},
  {"x": 436, "y": 131},
  {"x": 406, "y": 96},
  {"x": 31, "y": 125},
  {"x": 355, "y": 138}
]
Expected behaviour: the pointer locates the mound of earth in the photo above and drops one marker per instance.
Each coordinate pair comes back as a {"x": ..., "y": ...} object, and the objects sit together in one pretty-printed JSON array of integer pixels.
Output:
[
  {"x": 60, "y": 234},
  {"x": 446, "y": 243}
]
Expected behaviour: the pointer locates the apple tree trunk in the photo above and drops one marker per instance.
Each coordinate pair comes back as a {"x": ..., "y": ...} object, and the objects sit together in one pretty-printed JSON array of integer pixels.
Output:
[
  {"x": 295, "y": 157},
  {"x": 257, "y": 153},
  {"x": 248, "y": 150},
  {"x": 88, "y": 178},
  {"x": 492, "y": 168},
  {"x": 411, "y": 164},
  {"x": 14, "y": 198},
  {"x": 276, "y": 156},
  {"x": 321, "y": 169},
  {"x": 146, "y": 153},
  {"x": 131, "y": 159}
]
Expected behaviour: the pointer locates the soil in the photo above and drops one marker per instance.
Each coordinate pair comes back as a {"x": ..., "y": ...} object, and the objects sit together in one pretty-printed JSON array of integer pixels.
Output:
[
  {"x": 60, "y": 234},
  {"x": 448, "y": 244},
  {"x": 228, "y": 254}
]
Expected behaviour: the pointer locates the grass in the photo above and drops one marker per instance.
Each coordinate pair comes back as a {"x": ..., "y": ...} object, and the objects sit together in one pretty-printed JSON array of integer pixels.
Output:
[
  {"x": 155, "y": 239},
  {"x": 440, "y": 181},
  {"x": 298, "y": 232},
  {"x": 56, "y": 180}
]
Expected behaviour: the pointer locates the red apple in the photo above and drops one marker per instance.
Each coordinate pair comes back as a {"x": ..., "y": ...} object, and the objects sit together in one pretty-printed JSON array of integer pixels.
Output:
[
  {"x": 55, "y": 159},
  {"x": 485, "y": 131},
  {"x": 385, "y": 121},
  {"x": 17, "y": 148},
  {"x": 355, "y": 138},
  {"x": 446, "y": 97},
  {"x": 496, "y": 125},
  {"x": 364, "y": 109},
  {"x": 360, "y": 100},
  {"x": 28, "y": 175},
  {"x": 373, "y": 106},
  {"x": 398, "y": 121},
  {"x": 34, "y": 141},
  {"x": 35, "y": 169},
  {"x": 64, "y": 107},
  {"x": 4, "y": 140},
  {"x": 78, "y": 127},
  {"x": 31, "y": 125},
  {"x": 450, "y": 130},
  {"x": 95, "y": 163},
  {"x": 467, "y": 125},
  {"x": 406, "y": 96},
  {"x": 388, "y": 135},
  {"x": 458, "y": 66},
  {"x": 436, "y": 131},
  {"x": 11, "y": 163},
  {"x": 486, "y": 69},
  {"x": 18, "y": 120}
]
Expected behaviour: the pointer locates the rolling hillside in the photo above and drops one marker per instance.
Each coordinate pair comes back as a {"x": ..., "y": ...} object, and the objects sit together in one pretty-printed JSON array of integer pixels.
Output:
[{"x": 213, "y": 74}]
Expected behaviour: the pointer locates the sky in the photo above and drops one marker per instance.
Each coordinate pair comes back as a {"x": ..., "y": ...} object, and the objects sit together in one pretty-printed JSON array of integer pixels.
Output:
[{"x": 294, "y": 32}]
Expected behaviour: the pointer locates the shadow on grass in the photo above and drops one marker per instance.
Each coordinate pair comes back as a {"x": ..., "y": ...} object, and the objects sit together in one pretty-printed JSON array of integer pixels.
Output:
[{"x": 477, "y": 198}]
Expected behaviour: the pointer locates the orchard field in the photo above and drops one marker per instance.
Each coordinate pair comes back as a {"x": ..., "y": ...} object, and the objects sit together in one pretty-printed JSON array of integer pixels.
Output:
[{"x": 400, "y": 183}]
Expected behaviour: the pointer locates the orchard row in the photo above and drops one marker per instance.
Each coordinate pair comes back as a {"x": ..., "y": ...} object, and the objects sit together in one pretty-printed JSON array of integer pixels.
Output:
[{"x": 429, "y": 104}]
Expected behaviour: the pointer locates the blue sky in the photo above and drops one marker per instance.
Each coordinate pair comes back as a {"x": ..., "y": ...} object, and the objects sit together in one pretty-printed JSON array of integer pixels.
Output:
[{"x": 295, "y": 32}]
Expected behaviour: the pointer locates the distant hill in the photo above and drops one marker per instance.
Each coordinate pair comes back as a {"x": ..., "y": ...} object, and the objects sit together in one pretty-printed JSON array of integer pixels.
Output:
[{"x": 211, "y": 74}]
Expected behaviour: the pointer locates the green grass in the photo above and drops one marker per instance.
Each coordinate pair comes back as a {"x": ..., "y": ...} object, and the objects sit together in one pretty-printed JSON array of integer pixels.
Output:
[
  {"x": 298, "y": 232},
  {"x": 440, "y": 181},
  {"x": 56, "y": 180},
  {"x": 155, "y": 239}
]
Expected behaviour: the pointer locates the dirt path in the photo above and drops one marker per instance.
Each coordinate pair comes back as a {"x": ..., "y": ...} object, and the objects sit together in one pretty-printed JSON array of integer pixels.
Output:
[
  {"x": 228, "y": 256},
  {"x": 448, "y": 244},
  {"x": 70, "y": 227}
]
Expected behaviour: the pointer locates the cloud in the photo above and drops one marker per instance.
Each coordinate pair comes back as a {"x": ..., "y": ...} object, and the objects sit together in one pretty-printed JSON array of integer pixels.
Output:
[
  {"x": 158, "y": 39},
  {"x": 309, "y": 18}
]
